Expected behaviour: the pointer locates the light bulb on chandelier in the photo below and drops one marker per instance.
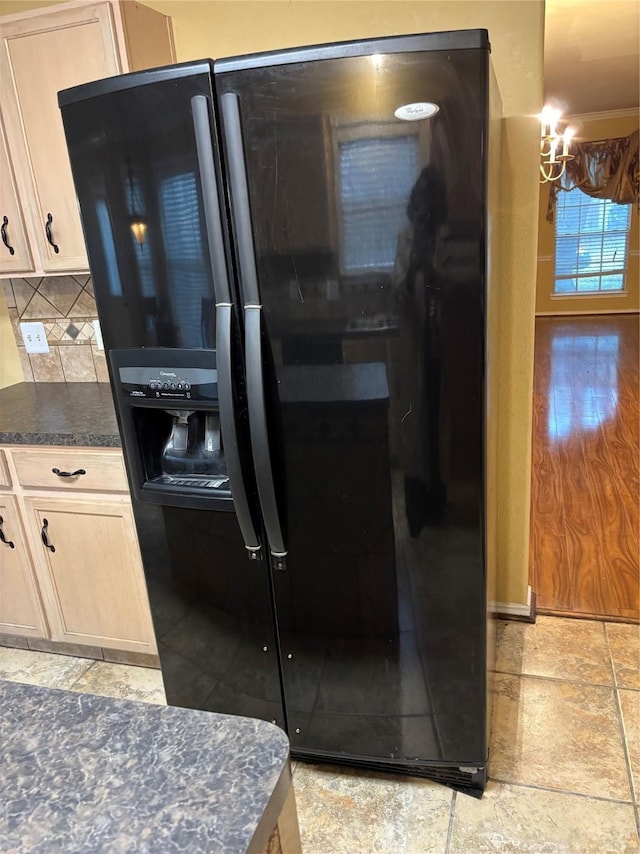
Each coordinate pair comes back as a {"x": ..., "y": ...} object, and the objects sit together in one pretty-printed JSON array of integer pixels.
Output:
[{"x": 554, "y": 146}]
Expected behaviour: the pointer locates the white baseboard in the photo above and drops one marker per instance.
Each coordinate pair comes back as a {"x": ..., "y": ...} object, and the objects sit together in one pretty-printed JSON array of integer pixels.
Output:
[{"x": 512, "y": 609}]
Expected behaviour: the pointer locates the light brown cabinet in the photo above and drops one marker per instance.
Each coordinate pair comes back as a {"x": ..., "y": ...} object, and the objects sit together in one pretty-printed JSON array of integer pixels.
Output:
[
  {"x": 90, "y": 572},
  {"x": 14, "y": 249},
  {"x": 76, "y": 576},
  {"x": 43, "y": 52},
  {"x": 20, "y": 607}
]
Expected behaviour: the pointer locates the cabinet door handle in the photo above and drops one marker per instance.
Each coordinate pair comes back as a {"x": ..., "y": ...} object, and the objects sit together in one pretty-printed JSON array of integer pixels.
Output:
[
  {"x": 45, "y": 538},
  {"x": 47, "y": 228},
  {"x": 3, "y": 539},
  {"x": 75, "y": 473},
  {"x": 5, "y": 239}
]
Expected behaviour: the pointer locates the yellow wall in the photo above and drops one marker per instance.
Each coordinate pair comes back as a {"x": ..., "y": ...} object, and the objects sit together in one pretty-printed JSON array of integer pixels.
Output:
[
  {"x": 546, "y": 303},
  {"x": 10, "y": 368},
  {"x": 210, "y": 28}
]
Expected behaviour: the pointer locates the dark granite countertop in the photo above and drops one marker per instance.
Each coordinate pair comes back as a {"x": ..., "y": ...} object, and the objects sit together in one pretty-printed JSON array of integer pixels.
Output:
[
  {"x": 58, "y": 414},
  {"x": 84, "y": 773}
]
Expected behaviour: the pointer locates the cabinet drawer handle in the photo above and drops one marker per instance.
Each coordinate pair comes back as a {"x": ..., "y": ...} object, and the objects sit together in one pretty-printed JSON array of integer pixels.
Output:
[
  {"x": 3, "y": 539},
  {"x": 5, "y": 239},
  {"x": 75, "y": 473},
  {"x": 45, "y": 538},
  {"x": 47, "y": 228}
]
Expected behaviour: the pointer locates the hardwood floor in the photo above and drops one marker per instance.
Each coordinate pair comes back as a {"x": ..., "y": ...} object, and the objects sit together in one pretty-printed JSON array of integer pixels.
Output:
[{"x": 585, "y": 526}]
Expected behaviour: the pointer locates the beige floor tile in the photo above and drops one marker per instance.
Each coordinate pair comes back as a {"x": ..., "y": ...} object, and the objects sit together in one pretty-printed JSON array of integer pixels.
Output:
[
  {"x": 513, "y": 819},
  {"x": 557, "y": 734},
  {"x": 41, "y": 668},
  {"x": 630, "y": 705},
  {"x": 624, "y": 643},
  {"x": 343, "y": 811},
  {"x": 124, "y": 681},
  {"x": 555, "y": 647}
]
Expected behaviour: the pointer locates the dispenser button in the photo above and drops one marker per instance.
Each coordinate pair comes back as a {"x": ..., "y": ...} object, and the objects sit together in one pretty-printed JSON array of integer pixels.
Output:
[
  {"x": 187, "y": 386},
  {"x": 172, "y": 386},
  {"x": 165, "y": 385},
  {"x": 180, "y": 386}
]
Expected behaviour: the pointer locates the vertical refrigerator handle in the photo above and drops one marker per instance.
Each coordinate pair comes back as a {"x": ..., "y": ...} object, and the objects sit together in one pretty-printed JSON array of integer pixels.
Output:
[
  {"x": 253, "y": 326},
  {"x": 241, "y": 211},
  {"x": 210, "y": 197},
  {"x": 259, "y": 431},
  {"x": 224, "y": 322}
]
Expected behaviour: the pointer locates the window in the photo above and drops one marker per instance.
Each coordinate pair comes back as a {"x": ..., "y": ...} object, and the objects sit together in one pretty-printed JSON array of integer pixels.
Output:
[
  {"x": 376, "y": 177},
  {"x": 187, "y": 278},
  {"x": 592, "y": 237}
]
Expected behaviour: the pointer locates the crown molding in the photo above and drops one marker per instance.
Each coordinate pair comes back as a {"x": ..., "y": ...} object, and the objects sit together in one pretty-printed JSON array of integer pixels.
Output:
[{"x": 605, "y": 114}]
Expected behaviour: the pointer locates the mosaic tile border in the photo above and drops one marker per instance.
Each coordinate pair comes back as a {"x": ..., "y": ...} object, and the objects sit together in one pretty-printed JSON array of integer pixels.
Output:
[{"x": 80, "y": 332}]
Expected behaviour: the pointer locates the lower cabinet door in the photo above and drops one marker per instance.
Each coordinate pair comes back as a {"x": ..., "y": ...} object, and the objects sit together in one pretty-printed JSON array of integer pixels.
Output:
[
  {"x": 91, "y": 575},
  {"x": 20, "y": 611}
]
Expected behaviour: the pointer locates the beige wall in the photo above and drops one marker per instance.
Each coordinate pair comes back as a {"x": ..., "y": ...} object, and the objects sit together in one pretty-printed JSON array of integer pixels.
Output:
[
  {"x": 10, "y": 368},
  {"x": 546, "y": 303},
  {"x": 206, "y": 28}
]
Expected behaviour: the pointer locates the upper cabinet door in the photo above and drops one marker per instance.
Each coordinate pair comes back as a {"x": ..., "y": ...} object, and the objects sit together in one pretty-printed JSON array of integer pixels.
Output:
[
  {"x": 40, "y": 56},
  {"x": 14, "y": 249}
]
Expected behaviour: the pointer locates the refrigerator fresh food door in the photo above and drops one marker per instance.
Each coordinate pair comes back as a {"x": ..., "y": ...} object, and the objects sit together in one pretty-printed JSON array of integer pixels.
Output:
[
  {"x": 144, "y": 157},
  {"x": 365, "y": 189}
]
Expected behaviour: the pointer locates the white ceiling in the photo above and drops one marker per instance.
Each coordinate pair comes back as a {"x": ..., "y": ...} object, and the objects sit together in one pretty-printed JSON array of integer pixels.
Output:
[{"x": 591, "y": 54}]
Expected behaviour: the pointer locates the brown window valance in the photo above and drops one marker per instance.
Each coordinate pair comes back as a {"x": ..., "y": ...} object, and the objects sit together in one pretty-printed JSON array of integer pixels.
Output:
[{"x": 604, "y": 169}]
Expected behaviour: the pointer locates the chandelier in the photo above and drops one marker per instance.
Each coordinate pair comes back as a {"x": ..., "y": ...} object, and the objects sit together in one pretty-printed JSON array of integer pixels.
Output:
[{"x": 554, "y": 146}]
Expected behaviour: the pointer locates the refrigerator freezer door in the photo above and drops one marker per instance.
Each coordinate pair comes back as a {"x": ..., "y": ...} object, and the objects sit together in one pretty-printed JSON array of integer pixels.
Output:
[
  {"x": 135, "y": 168},
  {"x": 212, "y": 613},
  {"x": 164, "y": 302},
  {"x": 368, "y": 238}
]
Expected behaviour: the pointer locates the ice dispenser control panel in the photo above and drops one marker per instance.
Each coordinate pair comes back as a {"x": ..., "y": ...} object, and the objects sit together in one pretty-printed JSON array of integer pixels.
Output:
[{"x": 170, "y": 384}]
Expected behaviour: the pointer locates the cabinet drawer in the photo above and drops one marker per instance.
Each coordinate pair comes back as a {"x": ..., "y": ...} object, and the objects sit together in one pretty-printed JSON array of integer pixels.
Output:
[
  {"x": 5, "y": 477},
  {"x": 103, "y": 470}
]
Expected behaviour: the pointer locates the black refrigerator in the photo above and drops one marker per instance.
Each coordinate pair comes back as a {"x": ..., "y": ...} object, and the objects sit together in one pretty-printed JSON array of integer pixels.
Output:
[{"x": 289, "y": 255}]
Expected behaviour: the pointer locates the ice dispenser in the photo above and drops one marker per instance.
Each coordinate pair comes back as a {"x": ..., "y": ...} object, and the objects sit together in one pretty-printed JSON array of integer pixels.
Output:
[{"x": 169, "y": 410}]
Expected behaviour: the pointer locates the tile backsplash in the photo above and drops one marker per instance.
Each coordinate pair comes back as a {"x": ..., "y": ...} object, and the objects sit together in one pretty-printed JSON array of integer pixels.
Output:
[{"x": 66, "y": 307}]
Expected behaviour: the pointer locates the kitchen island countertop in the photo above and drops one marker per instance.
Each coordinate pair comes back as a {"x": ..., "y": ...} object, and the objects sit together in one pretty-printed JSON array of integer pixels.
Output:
[
  {"x": 80, "y": 414},
  {"x": 88, "y": 773}
]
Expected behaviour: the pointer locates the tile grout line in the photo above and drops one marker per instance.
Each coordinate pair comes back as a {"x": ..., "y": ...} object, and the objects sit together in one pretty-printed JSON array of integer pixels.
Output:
[
  {"x": 583, "y": 616},
  {"x": 26, "y": 306},
  {"x": 612, "y": 666},
  {"x": 452, "y": 815},
  {"x": 79, "y": 294},
  {"x": 83, "y": 674},
  {"x": 543, "y": 678},
  {"x": 623, "y": 731},
  {"x": 539, "y": 788}
]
